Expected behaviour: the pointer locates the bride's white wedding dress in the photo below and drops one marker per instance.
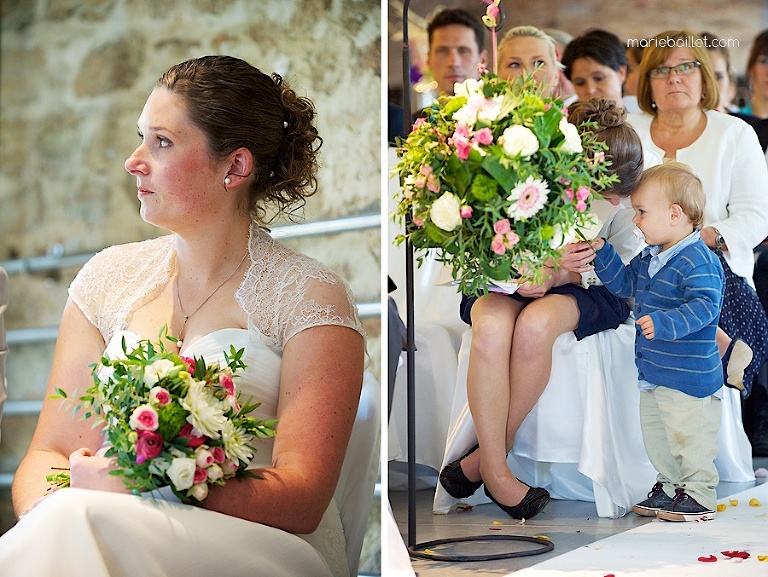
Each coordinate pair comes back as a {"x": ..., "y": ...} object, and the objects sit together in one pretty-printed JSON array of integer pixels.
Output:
[{"x": 77, "y": 532}]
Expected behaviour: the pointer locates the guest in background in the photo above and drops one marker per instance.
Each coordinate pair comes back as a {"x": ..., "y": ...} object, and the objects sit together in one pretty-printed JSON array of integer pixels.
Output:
[
  {"x": 677, "y": 93},
  {"x": 721, "y": 67},
  {"x": 596, "y": 65},
  {"x": 456, "y": 48},
  {"x": 527, "y": 50},
  {"x": 757, "y": 71}
]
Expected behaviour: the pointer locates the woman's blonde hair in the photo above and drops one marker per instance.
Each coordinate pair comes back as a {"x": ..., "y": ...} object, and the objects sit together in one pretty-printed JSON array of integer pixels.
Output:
[
  {"x": 680, "y": 186},
  {"x": 656, "y": 53},
  {"x": 533, "y": 32}
]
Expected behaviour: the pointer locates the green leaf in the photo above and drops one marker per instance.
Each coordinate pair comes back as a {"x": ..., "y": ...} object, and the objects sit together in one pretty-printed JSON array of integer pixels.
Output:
[{"x": 505, "y": 177}]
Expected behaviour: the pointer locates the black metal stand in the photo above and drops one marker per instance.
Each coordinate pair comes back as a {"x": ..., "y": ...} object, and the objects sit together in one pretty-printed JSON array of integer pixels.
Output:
[{"x": 417, "y": 550}]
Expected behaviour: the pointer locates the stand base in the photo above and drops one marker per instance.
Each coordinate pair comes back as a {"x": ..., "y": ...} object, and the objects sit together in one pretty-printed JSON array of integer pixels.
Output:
[{"x": 419, "y": 550}]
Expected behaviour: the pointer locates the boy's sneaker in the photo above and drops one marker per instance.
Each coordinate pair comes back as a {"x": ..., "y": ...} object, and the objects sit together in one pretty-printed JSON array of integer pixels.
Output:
[
  {"x": 657, "y": 500},
  {"x": 685, "y": 508}
]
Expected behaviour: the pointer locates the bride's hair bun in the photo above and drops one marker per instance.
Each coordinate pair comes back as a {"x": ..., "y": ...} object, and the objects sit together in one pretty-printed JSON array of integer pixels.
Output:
[{"x": 603, "y": 112}]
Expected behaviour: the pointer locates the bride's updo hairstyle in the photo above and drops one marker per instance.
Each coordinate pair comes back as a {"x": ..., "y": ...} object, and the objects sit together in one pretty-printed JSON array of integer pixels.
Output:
[
  {"x": 236, "y": 105},
  {"x": 625, "y": 151}
]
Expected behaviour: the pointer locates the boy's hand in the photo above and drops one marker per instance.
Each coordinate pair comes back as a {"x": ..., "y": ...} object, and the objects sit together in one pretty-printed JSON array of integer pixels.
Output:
[{"x": 646, "y": 325}]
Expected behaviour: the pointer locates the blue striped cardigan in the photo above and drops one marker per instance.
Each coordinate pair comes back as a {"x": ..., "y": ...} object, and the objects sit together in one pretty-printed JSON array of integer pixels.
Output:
[{"x": 684, "y": 300}]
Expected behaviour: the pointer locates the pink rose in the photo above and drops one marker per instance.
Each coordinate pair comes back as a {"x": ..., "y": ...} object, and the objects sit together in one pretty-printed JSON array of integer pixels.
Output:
[
  {"x": 160, "y": 395},
  {"x": 425, "y": 169},
  {"x": 193, "y": 441},
  {"x": 581, "y": 206},
  {"x": 569, "y": 193},
  {"x": 190, "y": 364},
  {"x": 201, "y": 475},
  {"x": 419, "y": 121},
  {"x": 462, "y": 147},
  {"x": 218, "y": 455},
  {"x": 511, "y": 239},
  {"x": 418, "y": 221},
  {"x": 465, "y": 211},
  {"x": 502, "y": 226},
  {"x": 582, "y": 193},
  {"x": 497, "y": 245},
  {"x": 483, "y": 136},
  {"x": 432, "y": 183},
  {"x": 148, "y": 446},
  {"x": 227, "y": 383},
  {"x": 203, "y": 458},
  {"x": 420, "y": 181},
  {"x": 144, "y": 418}
]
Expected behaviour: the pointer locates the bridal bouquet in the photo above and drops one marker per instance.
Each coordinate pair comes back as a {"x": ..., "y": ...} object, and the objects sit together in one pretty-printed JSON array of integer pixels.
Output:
[
  {"x": 498, "y": 181},
  {"x": 170, "y": 420}
]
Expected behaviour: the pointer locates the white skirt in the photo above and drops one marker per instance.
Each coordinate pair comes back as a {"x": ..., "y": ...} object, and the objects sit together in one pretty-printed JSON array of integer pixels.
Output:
[{"x": 77, "y": 532}]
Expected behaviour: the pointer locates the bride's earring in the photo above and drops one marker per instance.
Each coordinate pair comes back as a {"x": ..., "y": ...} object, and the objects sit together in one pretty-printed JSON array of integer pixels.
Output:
[{"x": 227, "y": 180}]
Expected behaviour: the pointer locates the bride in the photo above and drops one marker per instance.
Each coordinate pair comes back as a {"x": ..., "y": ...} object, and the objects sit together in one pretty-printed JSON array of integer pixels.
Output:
[{"x": 221, "y": 142}]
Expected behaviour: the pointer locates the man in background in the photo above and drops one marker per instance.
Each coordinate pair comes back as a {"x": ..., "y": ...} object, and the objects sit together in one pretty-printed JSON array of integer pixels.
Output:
[{"x": 456, "y": 48}]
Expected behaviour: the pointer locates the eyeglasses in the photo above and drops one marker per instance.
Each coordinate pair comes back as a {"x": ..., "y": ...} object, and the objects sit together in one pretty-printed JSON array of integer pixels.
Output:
[{"x": 682, "y": 69}]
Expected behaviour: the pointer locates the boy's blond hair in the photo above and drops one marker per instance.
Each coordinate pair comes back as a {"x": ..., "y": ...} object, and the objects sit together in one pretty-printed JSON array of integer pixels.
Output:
[{"x": 680, "y": 186}]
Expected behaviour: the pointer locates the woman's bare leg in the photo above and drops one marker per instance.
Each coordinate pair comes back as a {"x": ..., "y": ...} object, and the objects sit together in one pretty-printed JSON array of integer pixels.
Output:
[
  {"x": 536, "y": 329},
  {"x": 493, "y": 324}
]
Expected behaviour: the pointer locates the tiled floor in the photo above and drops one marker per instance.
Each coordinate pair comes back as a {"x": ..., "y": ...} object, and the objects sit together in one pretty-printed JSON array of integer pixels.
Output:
[{"x": 569, "y": 524}]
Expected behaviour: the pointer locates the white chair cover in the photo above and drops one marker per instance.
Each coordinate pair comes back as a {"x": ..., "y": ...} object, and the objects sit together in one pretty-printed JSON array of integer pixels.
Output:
[{"x": 354, "y": 491}]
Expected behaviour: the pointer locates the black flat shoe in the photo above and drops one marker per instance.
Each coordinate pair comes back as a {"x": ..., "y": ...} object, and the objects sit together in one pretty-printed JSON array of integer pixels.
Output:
[
  {"x": 534, "y": 501},
  {"x": 455, "y": 482}
]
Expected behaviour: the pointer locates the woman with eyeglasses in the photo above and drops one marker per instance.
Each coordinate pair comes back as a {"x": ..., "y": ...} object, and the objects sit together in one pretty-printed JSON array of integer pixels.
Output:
[
  {"x": 757, "y": 70},
  {"x": 678, "y": 97}
]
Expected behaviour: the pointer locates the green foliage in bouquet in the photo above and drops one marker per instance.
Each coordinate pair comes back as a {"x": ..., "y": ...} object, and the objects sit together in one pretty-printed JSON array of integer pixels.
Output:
[{"x": 497, "y": 180}]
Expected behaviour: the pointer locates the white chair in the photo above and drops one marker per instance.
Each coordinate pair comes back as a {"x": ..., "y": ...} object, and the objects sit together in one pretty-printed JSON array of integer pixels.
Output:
[
  {"x": 354, "y": 491},
  {"x": 3, "y": 347},
  {"x": 582, "y": 440}
]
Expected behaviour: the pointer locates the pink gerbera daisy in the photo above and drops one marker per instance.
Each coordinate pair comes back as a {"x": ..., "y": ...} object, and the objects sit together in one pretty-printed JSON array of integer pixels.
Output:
[{"x": 527, "y": 198}]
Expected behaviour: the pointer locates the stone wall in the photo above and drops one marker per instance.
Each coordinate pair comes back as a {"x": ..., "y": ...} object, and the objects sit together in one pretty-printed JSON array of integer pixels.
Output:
[{"x": 74, "y": 77}]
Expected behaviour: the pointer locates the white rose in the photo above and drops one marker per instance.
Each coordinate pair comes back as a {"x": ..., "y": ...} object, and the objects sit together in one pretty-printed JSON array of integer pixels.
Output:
[
  {"x": 572, "y": 142},
  {"x": 589, "y": 227},
  {"x": 468, "y": 87},
  {"x": 520, "y": 140},
  {"x": 491, "y": 109},
  {"x": 215, "y": 473},
  {"x": 199, "y": 491},
  {"x": 182, "y": 473},
  {"x": 561, "y": 237},
  {"x": 157, "y": 371},
  {"x": 445, "y": 212}
]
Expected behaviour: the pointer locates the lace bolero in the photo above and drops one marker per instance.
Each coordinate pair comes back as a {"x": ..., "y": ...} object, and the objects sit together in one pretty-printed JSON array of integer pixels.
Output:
[{"x": 283, "y": 292}]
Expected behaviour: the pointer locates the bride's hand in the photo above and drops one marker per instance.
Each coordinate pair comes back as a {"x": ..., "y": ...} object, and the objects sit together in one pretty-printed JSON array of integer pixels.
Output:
[{"x": 89, "y": 471}]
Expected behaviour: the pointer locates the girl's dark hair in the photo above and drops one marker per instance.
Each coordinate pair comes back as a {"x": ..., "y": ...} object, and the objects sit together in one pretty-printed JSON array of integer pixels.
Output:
[
  {"x": 236, "y": 105},
  {"x": 599, "y": 45},
  {"x": 625, "y": 151}
]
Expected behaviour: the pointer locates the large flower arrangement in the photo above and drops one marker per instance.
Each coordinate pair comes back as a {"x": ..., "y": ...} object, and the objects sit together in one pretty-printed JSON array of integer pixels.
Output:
[
  {"x": 498, "y": 181},
  {"x": 170, "y": 420}
]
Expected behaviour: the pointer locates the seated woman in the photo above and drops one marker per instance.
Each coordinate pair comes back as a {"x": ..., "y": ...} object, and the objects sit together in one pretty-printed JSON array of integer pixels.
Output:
[
  {"x": 511, "y": 353},
  {"x": 221, "y": 142},
  {"x": 596, "y": 65}
]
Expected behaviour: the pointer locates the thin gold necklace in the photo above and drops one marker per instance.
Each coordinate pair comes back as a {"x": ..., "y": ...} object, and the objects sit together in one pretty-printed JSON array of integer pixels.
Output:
[{"x": 179, "y": 341}]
